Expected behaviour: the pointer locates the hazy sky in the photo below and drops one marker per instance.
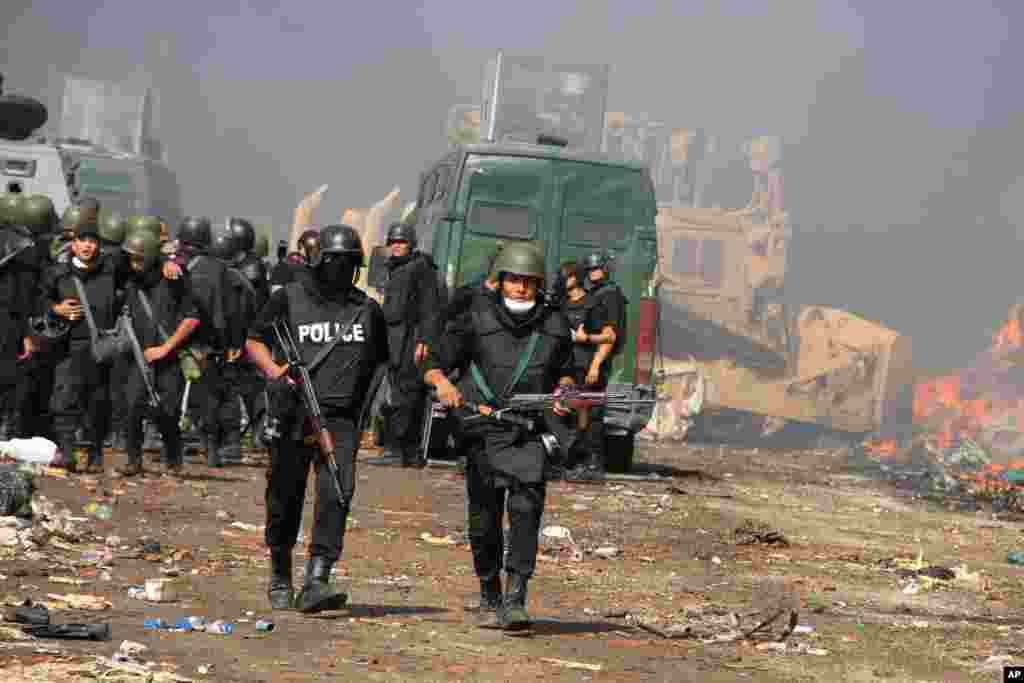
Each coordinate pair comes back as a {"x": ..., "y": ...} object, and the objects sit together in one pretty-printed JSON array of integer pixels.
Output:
[{"x": 898, "y": 116}]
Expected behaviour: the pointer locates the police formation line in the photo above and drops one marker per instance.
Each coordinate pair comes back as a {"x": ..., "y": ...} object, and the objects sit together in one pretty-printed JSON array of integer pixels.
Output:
[{"x": 104, "y": 316}]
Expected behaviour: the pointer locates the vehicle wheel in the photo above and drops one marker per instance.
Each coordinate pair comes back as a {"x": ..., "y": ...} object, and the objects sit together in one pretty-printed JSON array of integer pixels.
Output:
[{"x": 618, "y": 451}]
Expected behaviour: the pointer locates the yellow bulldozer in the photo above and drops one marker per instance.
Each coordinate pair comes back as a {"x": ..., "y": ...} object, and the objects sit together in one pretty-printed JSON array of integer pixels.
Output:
[{"x": 737, "y": 360}]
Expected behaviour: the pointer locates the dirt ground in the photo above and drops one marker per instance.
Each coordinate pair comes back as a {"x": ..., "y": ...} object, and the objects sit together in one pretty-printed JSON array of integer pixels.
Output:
[{"x": 651, "y": 585}]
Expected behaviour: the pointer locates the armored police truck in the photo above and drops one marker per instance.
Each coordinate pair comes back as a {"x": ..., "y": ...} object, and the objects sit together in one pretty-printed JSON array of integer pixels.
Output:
[{"x": 571, "y": 202}]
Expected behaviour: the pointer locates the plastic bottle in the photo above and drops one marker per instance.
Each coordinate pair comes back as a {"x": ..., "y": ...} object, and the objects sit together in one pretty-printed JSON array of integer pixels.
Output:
[
  {"x": 221, "y": 628},
  {"x": 264, "y": 626},
  {"x": 1016, "y": 557},
  {"x": 155, "y": 624}
]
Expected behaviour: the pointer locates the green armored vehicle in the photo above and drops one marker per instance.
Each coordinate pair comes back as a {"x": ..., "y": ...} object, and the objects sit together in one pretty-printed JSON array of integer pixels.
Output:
[{"x": 570, "y": 202}]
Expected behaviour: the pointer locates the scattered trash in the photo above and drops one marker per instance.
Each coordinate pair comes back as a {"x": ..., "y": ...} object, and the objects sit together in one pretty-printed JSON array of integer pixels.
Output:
[
  {"x": 99, "y": 511},
  {"x": 78, "y": 601},
  {"x": 751, "y": 532},
  {"x": 803, "y": 629},
  {"x": 608, "y": 552},
  {"x": 224, "y": 516},
  {"x": 161, "y": 590},
  {"x": 137, "y": 592},
  {"x": 220, "y": 628},
  {"x": 130, "y": 648},
  {"x": 98, "y": 632},
  {"x": 34, "y": 451},
  {"x": 204, "y": 669},
  {"x": 264, "y": 626},
  {"x": 16, "y": 489},
  {"x": 37, "y": 615},
  {"x": 252, "y": 528},
  {"x": 716, "y": 560},
  {"x": 155, "y": 624},
  {"x": 571, "y": 665},
  {"x": 438, "y": 540},
  {"x": 1016, "y": 557}
]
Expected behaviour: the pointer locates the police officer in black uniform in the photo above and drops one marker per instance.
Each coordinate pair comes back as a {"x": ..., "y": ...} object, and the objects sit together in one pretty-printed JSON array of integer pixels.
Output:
[
  {"x": 506, "y": 343},
  {"x": 19, "y": 274},
  {"x": 249, "y": 381},
  {"x": 82, "y": 386},
  {"x": 164, "y": 317},
  {"x": 112, "y": 230},
  {"x": 411, "y": 298},
  {"x": 602, "y": 335},
  {"x": 207, "y": 282},
  {"x": 328, "y": 314}
]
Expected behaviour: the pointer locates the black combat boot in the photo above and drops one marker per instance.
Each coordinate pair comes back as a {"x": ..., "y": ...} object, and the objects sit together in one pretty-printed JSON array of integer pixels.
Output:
[
  {"x": 316, "y": 595},
  {"x": 512, "y": 615},
  {"x": 69, "y": 457},
  {"x": 280, "y": 592},
  {"x": 484, "y": 609},
  {"x": 231, "y": 450},
  {"x": 212, "y": 443}
]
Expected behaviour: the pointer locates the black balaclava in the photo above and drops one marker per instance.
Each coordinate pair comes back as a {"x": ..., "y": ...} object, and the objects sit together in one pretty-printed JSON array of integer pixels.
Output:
[{"x": 336, "y": 275}]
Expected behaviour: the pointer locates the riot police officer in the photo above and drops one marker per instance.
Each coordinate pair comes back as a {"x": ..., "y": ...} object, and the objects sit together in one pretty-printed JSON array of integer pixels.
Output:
[
  {"x": 82, "y": 292},
  {"x": 158, "y": 305},
  {"x": 341, "y": 336},
  {"x": 112, "y": 230},
  {"x": 221, "y": 402},
  {"x": 207, "y": 282},
  {"x": 507, "y": 343},
  {"x": 411, "y": 298},
  {"x": 18, "y": 272},
  {"x": 602, "y": 334},
  {"x": 250, "y": 265},
  {"x": 35, "y": 384}
]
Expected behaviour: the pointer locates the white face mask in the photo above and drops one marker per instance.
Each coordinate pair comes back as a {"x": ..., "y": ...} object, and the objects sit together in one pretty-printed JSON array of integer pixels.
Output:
[{"x": 519, "y": 306}]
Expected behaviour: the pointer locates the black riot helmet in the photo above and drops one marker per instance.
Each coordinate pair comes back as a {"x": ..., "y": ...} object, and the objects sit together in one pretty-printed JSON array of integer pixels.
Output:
[
  {"x": 594, "y": 261},
  {"x": 340, "y": 239},
  {"x": 400, "y": 232},
  {"x": 195, "y": 231},
  {"x": 223, "y": 245},
  {"x": 244, "y": 232}
]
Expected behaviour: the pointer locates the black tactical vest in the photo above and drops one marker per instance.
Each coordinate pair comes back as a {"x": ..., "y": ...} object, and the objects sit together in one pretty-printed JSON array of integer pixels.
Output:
[
  {"x": 342, "y": 378},
  {"x": 498, "y": 348}
]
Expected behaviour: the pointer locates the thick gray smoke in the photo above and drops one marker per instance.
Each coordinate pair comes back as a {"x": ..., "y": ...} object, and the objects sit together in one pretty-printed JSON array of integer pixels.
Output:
[{"x": 901, "y": 120}]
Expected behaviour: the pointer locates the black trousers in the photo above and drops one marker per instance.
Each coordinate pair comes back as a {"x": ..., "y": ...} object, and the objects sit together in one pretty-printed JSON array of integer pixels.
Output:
[
  {"x": 487, "y": 498},
  {"x": 122, "y": 368},
  {"x": 10, "y": 370},
  {"x": 251, "y": 385},
  {"x": 34, "y": 396},
  {"x": 169, "y": 384},
  {"x": 81, "y": 398},
  {"x": 220, "y": 411},
  {"x": 290, "y": 462},
  {"x": 406, "y": 413}
]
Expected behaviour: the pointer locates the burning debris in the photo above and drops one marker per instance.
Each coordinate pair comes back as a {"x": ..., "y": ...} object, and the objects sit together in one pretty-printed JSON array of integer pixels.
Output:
[{"x": 968, "y": 429}]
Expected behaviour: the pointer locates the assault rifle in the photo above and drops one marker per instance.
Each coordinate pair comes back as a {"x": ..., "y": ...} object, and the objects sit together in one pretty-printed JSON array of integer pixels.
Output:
[
  {"x": 140, "y": 359},
  {"x": 569, "y": 395},
  {"x": 315, "y": 423}
]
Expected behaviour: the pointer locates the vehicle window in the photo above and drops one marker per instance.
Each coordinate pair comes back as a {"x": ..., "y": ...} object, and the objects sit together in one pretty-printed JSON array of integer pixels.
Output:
[
  {"x": 602, "y": 205},
  {"x": 116, "y": 187},
  {"x": 506, "y": 220},
  {"x": 506, "y": 194},
  {"x": 698, "y": 258}
]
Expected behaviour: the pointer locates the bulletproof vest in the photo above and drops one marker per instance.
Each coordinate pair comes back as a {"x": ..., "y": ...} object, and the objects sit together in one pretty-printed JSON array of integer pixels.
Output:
[
  {"x": 255, "y": 272},
  {"x": 500, "y": 346},
  {"x": 577, "y": 313},
  {"x": 315, "y": 322}
]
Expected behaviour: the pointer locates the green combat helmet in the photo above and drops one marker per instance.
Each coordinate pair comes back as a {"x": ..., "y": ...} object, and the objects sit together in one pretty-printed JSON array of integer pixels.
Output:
[
  {"x": 38, "y": 214},
  {"x": 145, "y": 244},
  {"x": 520, "y": 258},
  {"x": 11, "y": 209},
  {"x": 262, "y": 249},
  {"x": 72, "y": 215},
  {"x": 112, "y": 228},
  {"x": 149, "y": 224}
]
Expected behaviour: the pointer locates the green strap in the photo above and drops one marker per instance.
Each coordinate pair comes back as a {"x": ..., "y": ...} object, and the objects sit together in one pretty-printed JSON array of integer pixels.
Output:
[{"x": 517, "y": 374}]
